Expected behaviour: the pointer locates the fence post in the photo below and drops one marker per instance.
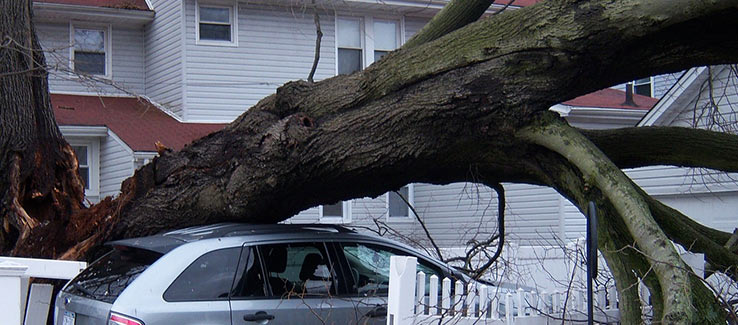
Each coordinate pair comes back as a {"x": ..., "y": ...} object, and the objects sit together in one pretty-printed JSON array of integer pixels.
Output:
[
  {"x": 11, "y": 305},
  {"x": 401, "y": 300},
  {"x": 420, "y": 295}
]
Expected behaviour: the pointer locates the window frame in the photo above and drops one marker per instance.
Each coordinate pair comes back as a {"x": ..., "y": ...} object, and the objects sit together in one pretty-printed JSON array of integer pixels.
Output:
[
  {"x": 107, "y": 30},
  {"x": 650, "y": 83},
  {"x": 345, "y": 218},
  {"x": 398, "y": 35},
  {"x": 345, "y": 265},
  {"x": 93, "y": 161},
  {"x": 362, "y": 39},
  {"x": 232, "y": 15},
  {"x": 410, "y": 199},
  {"x": 331, "y": 261},
  {"x": 236, "y": 252},
  {"x": 366, "y": 27}
]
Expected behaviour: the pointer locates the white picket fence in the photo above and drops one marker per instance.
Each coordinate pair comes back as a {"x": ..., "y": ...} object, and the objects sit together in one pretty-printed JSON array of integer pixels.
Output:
[
  {"x": 21, "y": 303},
  {"x": 477, "y": 303}
]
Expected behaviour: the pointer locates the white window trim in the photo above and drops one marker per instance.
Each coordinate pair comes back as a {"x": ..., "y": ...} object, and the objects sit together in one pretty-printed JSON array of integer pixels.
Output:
[
  {"x": 108, "y": 29},
  {"x": 650, "y": 81},
  {"x": 346, "y": 218},
  {"x": 232, "y": 10},
  {"x": 362, "y": 32},
  {"x": 398, "y": 35},
  {"x": 366, "y": 24},
  {"x": 411, "y": 198},
  {"x": 93, "y": 160}
]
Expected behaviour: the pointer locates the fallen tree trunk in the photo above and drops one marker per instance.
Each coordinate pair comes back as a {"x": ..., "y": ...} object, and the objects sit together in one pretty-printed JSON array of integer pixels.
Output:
[{"x": 471, "y": 99}]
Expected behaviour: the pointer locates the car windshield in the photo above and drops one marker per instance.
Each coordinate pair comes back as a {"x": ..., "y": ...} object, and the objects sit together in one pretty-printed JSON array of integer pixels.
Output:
[{"x": 105, "y": 279}]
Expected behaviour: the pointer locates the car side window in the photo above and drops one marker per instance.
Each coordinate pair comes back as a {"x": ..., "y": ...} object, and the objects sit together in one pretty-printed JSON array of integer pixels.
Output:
[
  {"x": 209, "y": 277},
  {"x": 370, "y": 264},
  {"x": 298, "y": 269},
  {"x": 249, "y": 281}
]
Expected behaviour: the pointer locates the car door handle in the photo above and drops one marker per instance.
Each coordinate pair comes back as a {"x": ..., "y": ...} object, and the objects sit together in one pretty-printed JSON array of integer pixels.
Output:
[
  {"x": 258, "y": 316},
  {"x": 379, "y": 311}
]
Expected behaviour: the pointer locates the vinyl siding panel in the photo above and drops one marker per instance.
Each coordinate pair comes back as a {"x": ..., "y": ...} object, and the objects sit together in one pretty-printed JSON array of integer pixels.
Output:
[
  {"x": 127, "y": 72},
  {"x": 667, "y": 180},
  {"x": 662, "y": 83},
  {"x": 413, "y": 26},
  {"x": 116, "y": 164},
  {"x": 164, "y": 77},
  {"x": 275, "y": 45}
]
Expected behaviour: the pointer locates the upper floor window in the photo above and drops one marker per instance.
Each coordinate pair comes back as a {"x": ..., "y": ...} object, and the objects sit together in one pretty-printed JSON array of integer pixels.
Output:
[
  {"x": 398, "y": 208},
  {"x": 339, "y": 212},
  {"x": 643, "y": 87},
  {"x": 385, "y": 38},
  {"x": 350, "y": 45},
  {"x": 362, "y": 41},
  {"x": 216, "y": 24},
  {"x": 91, "y": 51}
]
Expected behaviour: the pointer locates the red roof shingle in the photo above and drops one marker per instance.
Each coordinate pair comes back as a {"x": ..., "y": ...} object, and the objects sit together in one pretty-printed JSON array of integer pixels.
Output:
[
  {"x": 137, "y": 122},
  {"x": 121, "y": 4},
  {"x": 611, "y": 98}
]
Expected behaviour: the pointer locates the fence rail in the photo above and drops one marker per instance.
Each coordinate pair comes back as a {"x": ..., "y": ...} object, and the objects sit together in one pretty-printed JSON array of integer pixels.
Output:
[
  {"x": 452, "y": 302},
  {"x": 23, "y": 304}
]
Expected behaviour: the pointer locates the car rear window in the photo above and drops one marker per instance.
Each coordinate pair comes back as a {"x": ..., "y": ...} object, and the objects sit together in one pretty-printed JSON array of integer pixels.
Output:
[{"x": 107, "y": 277}]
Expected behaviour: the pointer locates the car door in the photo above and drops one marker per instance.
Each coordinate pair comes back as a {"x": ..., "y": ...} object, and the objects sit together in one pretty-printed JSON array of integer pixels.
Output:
[
  {"x": 367, "y": 266},
  {"x": 288, "y": 283}
]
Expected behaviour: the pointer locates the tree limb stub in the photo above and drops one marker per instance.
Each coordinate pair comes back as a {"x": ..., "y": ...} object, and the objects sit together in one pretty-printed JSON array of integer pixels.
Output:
[
  {"x": 601, "y": 173},
  {"x": 454, "y": 15}
]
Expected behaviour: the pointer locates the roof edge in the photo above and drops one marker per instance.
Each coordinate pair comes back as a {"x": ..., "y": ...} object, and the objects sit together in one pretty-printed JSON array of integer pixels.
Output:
[
  {"x": 42, "y": 9},
  {"x": 662, "y": 112}
]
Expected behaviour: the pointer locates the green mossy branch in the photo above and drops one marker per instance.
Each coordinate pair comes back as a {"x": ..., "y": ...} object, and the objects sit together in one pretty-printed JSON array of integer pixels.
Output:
[{"x": 629, "y": 205}]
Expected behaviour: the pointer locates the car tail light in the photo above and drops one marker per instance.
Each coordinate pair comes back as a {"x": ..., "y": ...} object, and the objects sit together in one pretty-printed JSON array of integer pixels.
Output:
[{"x": 118, "y": 319}]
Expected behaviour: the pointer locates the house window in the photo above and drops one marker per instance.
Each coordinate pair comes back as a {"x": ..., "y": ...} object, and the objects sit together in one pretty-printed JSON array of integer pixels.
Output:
[
  {"x": 385, "y": 38},
  {"x": 643, "y": 87},
  {"x": 397, "y": 204},
  {"x": 350, "y": 53},
  {"x": 336, "y": 213},
  {"x": 216, "y": 24},
  {"x": 91, "y": 51},
  {"x": 83, "y": 158},
  {"x": 362, "y": 41},
  {"x": 87, "y": 151}
]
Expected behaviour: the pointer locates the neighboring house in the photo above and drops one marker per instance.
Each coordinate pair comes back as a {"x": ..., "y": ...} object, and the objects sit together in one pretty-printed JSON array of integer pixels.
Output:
[{"x": 174, "y": 70}]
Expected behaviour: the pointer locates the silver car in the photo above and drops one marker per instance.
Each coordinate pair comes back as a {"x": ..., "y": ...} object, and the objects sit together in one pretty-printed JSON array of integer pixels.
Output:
[{"x": 240, "y": 274}]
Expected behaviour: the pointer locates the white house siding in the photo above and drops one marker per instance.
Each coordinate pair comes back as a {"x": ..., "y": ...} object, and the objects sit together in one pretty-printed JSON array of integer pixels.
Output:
[
  {"x": 662, "y": 83},
  {"x": 275, "y": 45},
  {"x": 116, "y": 164},
  {"x": 163, "y": 56},
  {"x": 127, "y": 61}
]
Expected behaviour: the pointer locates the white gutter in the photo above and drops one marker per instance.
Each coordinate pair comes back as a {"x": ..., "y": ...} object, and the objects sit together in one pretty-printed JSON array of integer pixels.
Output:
[{"x": 83, "y": 131}]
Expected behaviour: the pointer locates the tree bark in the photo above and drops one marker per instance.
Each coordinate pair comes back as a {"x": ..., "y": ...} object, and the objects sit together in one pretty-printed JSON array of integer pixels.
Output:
[{"x": 40, "y": 183}]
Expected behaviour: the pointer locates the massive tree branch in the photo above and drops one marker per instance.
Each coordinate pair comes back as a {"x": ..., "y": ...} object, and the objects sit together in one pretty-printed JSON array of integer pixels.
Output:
[
  {"x": 631, "y": 207},
  {"x": 648, "y": 146}
]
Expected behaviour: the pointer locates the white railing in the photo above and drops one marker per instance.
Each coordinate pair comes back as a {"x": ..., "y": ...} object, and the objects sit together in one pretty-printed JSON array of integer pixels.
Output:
[
  {"x": 477, "y": 303},
  {"x": 30, "y": 305}
]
